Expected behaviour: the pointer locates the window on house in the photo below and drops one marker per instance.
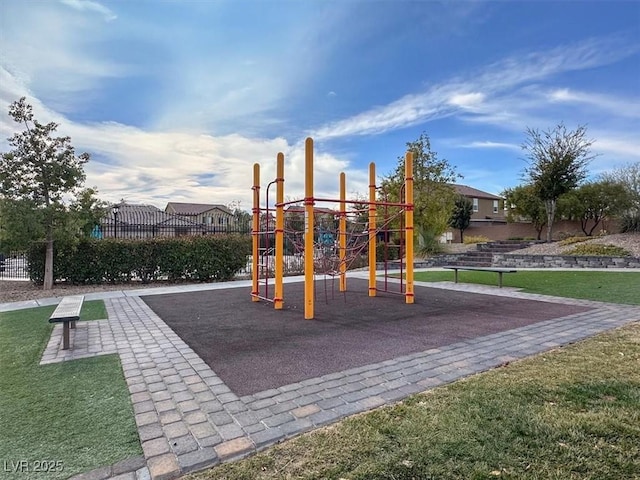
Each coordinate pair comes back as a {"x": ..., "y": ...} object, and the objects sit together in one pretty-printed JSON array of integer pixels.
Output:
[
  {"x": 475, "y": 204},
  {"x": 495, "y": 206}
]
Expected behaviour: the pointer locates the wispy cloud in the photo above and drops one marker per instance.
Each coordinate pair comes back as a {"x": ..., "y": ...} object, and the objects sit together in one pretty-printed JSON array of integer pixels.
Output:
[
  {"x": 458, "y": 94},
  {"x": 90, "y": 6},
  {"x": 467, "y": 101},
  {"x": 489, "y": 144},
  {"x": 629, "y": 107},
  {"x": 69, "y": 65}
]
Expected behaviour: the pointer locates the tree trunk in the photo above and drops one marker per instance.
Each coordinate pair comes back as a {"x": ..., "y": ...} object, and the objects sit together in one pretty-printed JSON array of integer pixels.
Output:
[
  {"x": 48, "y": 263},
  {"x": 551, "y": 213},
  {"x": 461, "y": 235}
]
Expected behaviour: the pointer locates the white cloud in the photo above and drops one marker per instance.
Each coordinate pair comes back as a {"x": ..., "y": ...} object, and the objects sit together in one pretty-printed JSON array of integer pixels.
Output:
[
  {"x": 157, "y": 167},
  {"x": 467, "y": 100},
  {"x": 615, "y": 146},
  {"x": 489, "y": 144},
  {"x": 69, "y": 65},
  {"x": 450, "y": 97},
  {"x": 90, "y": 6},
  {"x": 629, "y": 107}
]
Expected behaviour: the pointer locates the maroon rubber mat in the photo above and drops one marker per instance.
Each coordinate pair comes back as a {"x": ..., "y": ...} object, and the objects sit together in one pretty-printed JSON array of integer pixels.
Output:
[{"x": 253, "y": 347}]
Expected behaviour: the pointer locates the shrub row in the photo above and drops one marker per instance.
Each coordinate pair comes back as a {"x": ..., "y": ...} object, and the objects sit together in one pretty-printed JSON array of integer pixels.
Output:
[
  {"x": 200, "y": 258},
  {"x": 599, "y": 250},
  {"x": 574, "y": 240},
  {"x": 470, "y": 239}
]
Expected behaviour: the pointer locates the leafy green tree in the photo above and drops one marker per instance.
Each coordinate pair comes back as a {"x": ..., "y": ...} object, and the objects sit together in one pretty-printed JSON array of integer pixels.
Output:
[
  {"x": 21, "y": 222},
  {"x": 569, "y": 206},
  {"x": 557, "y": 164},
  {"x": 434, "y": 194},
  {"x": 524, "y": 204},
  {"x": 629, "y": 176},
  {"x": 86, "y": 212},
  {"x": 597, "y": 201},
  {"x": 41, "y": 169},
  {"x": 461, "y": 215},
  {"x": 241, "y": 218}
]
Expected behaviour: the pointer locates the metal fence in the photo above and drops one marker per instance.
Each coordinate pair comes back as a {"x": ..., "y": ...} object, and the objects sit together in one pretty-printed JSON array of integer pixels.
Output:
[
  {"x": 139, "y": 222},
  {"x": 14, "y": 266},
  {"x": 142, "y": 221}
]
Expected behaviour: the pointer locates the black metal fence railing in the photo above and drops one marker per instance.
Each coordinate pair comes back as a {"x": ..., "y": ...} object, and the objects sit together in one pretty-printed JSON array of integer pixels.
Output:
[
  {"x": 14, "y": 266},
  {"x": 141, "y": 221}
]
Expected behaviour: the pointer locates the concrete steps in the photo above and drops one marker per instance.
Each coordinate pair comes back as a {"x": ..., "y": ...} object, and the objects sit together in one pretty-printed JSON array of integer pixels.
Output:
[{"x": 483, "y": 255}]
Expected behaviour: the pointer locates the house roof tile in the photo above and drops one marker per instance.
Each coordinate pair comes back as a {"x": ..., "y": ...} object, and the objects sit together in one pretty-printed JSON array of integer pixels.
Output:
[
  {"x": 146, "y": 215},
  {"x": 474, "y": 192},
  {"x": 195, "y": 208}
]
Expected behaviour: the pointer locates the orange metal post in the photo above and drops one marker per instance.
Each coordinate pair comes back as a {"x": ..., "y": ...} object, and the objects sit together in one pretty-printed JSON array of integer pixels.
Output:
[
  {"x": 372, "y": 229},
  {"x": 255, "y": 234},
  {"x": 342, "y": 233},
  {"x": 408, "y": 192},
  {"x": 308, "y": 230},
  {"x": 279, "y": 261}
]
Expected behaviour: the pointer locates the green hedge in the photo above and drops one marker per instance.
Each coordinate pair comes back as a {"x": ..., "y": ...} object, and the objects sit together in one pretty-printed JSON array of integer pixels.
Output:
[{"x": 201, "y": 258}]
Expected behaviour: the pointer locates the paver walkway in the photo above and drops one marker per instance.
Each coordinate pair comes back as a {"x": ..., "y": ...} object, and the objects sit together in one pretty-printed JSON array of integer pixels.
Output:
[{"x": 188, "y": 418}]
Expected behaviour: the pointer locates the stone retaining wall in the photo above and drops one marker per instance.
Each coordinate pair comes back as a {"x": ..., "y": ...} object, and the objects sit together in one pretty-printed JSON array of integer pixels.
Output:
[
  {"x": 562, "y": 261},
  {"x": 531, "y": 261}
]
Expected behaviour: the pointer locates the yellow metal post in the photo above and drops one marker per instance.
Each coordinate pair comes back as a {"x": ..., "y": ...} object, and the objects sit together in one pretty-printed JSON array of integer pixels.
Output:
[
  {"x": 255, "y": 234},
  {"x": 279, "y": 267},
  {"x": 308, "y": 229},
  {"x": 372, "y": 229},
  {"x": 408, "y": 221},
  {"x": 342, "y": 233}
]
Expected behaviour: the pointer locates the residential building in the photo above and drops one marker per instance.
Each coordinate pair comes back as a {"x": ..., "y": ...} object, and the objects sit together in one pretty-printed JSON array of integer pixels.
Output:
[
  {"x": 213, "y": 216},
  {"x": 486, "y": 206},
  {"x": 144, "y": 221}
]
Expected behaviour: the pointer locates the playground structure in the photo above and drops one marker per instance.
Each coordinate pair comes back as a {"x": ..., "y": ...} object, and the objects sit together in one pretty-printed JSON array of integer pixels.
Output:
[{"x": 330, "y": 241}]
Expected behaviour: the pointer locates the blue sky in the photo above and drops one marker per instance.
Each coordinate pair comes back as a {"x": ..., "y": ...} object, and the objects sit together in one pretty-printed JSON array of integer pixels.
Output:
[{"x": 175, "y": 100}]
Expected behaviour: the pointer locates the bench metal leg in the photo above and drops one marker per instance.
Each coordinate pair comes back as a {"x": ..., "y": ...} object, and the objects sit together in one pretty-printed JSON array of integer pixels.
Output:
[
  {"x": 455, "y": 275},
  {"x": 65, "y": 335},
  {"x": 500, "y": 279}
]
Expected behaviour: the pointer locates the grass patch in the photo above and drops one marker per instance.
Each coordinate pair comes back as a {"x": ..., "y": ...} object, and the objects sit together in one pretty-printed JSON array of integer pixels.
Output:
[
  {"x": 93, "y": 310},
  {"x": 570, "y": 413},
  {"x": 614, "y": 287},
  {"x": 78, "y": 413}
]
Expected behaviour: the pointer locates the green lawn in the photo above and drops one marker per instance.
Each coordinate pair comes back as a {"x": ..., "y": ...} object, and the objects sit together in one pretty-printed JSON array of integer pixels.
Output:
[
  {"x": 615, "y": 287},
  {"x": 77, "y": 413},
  {"x": 93, "y": 310},
  {"x": 573, "y": 413}
]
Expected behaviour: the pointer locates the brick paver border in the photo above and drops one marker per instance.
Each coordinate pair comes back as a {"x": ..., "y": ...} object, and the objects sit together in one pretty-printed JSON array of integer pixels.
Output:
[{"x": 189, "y": 419}]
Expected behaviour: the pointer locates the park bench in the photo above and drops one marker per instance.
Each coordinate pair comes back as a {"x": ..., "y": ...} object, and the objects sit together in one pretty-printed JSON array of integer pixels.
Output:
[
  {"x": 498, "y": 270},
  {"x": 67, "y": 312}
]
